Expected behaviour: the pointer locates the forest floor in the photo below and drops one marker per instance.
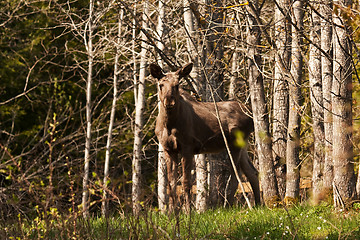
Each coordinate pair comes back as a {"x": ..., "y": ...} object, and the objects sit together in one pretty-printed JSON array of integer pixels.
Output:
[{"x": 297, "y": 222}]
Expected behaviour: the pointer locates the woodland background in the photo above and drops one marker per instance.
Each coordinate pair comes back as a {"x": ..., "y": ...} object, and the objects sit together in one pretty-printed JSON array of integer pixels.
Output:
[{"x": 77, "y": 107}]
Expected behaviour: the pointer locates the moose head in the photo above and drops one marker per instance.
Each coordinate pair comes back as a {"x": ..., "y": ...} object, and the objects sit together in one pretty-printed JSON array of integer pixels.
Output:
[{"x": 168, "y": 84}]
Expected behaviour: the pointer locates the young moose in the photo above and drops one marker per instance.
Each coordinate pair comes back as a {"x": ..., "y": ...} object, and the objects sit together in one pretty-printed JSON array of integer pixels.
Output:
[{"x": 185, "y": 126}]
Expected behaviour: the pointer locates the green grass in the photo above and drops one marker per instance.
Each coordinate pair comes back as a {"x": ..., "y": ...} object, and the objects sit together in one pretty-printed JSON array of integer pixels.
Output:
[{"x": 299, "y": 222}]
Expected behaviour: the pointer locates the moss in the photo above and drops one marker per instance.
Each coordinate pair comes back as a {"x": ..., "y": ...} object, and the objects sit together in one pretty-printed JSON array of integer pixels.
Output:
[
  {"x": 325, "y": 196},
  {"x": 273, "y": 202},
  {"x": 290, "y": 201}
]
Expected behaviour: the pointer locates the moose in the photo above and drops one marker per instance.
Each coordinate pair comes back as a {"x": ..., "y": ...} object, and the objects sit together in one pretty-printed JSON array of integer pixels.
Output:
[{"x": 185, "y": 126}]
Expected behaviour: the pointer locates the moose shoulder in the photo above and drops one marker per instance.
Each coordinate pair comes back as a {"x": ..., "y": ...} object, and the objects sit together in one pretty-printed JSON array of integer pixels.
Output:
[{"x": 186, "y": 126}]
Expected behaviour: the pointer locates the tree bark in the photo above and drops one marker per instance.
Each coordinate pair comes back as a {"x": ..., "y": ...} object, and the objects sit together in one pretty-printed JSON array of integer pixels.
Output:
[
  {"x": 260, "y": 112},
  {"x": 316, "y": 100},
  {"x": 326, "y": 69},
  {"x": 235, "y": 60},
  {"x": 295, "y": 99},
  {"x": 90, "y": 52},
  {"x": 344, "y": 178},
  {"x": 214, "y": 74},
  {"x": 200, "y": 160},
  {"x": 105, "y": 202},
  {"x": 281, "y": 91},
  {"x": 139, "y": 119},
  {"x": 162, "y": 177}
]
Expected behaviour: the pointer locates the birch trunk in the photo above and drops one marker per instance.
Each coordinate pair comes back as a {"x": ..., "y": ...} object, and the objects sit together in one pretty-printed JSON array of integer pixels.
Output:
[
  {"x": 326, "y": 69},
  {"x": 134, "y": 54},
  {"x": 234, "y": 79},
  {"x": 105, "y": 202},
  {"x": 281, "y": 91},
  {"x": 295, "y": 99},
  {"x": 344, "y": 178},
  {"x": 162, "y": 178},
  {"x": 316, "y": 99},
  {"x": 214, "y": 66},
  {"x": 139, "y": 119},
  {"x": 200, "y": 160},
  {"x": 89, "y": 48},
  {"x": 260, "y": 112}
]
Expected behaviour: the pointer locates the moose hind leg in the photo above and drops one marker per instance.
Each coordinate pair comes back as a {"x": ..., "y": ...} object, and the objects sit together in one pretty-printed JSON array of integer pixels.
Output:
[
  {"x": 232, "y": 182},
  {"x": 251, "y": 174}
]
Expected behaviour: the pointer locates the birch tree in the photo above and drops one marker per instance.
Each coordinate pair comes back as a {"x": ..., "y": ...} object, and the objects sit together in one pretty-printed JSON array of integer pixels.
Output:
[
  {"x": 162, "y": 178},
  {"x": 293, "y": 138},
  {"x": 139, "y": 117},
  {"x": 234, "y": 79},
  {"x": 344, "y": 178},
  {"x": 90, "y": 53},
  {"x": 280, "y": 88},
  {"x": 326, "y": 69},
  {"x": 259, "y": 109},
  {"x": 213, "y": 73},
  {"x": 200, "y": 160},
  {"x": 316, "y": 98},
  {"x": 105, "y": 203}
]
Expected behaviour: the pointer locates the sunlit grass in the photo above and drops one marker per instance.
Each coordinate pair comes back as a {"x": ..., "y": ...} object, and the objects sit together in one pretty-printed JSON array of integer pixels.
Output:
[{"x": 298, "y": 222}]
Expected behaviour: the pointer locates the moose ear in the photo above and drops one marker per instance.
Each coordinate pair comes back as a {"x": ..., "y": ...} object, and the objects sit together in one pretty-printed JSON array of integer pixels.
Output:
[
  {"x": 156, "y": 71},
  {"x": 184, "y": 71}
]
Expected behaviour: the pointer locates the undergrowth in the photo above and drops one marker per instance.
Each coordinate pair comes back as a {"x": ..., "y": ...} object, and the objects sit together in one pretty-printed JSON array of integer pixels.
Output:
[{"x": 298, "y": 222}]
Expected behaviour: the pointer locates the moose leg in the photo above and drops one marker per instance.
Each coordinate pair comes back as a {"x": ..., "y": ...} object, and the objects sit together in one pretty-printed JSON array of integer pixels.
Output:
[
  {"x": 186, "y": 179},
  {"x": 171, "y": 159},
  {"x": 251, "y": 174},
  {"x": 232, "y": 184}
]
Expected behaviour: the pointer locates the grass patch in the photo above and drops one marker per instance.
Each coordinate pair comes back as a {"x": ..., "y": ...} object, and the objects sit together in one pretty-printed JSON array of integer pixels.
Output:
[{"x": 298, "y": 222}]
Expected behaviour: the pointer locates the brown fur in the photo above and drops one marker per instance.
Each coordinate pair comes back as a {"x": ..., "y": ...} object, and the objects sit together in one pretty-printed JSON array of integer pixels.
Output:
[{"x": 185, "y": 126}]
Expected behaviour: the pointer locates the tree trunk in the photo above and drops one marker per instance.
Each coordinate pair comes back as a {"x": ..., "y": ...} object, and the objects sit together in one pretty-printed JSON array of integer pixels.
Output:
[
  {"x": 326, "y": 69},
  {"x": 295, "y": 99},
  {"x": 89, "y": 47},
  {"x": 281, "y": 94},
  {"x": 201, "y": 183},
  {"x": 162, "y": 178},
  {"x": 235, "y": 60},
  {"x": 214, "y": 74},
  {"x": 316, "y": 99},
  {"x": 260, "y": 112},
  {"x": 139, "y": 119},
  {"x": 200, "y": 160},
  {"x": 105, "y": 203},
  {"x": 344, "y": 179}
]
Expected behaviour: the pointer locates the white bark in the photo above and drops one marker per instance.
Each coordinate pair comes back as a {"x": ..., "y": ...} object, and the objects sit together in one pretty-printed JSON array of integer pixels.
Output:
[
  {"x": 344, "y": 178},
  {"x": 235, "y": 60},
  {"x": 260, "y": 113},
  {"x": 162, "y": 178},
  {"x": 214, "y": 44},
  {"x": 105, "y": 203},
  {"x": 89, "y": 48},
  {"x": 281, "y": 91},
  {"x": 326, "y": 69},
  {"x": 134, "y": 54},
  {"x": 316, "y": 99},
  {"x": 200, "y": 160},
  {"x": 139, "y": 119},
  {"x": 293, "y": 139}
]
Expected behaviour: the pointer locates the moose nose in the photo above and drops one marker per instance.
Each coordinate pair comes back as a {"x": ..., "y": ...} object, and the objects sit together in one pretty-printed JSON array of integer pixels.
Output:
[{"x": 169, "y": 103}]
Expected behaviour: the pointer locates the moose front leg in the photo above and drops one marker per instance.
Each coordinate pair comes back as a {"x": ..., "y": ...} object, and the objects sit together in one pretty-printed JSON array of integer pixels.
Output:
[
  {"x": 186, "y": 179},
  {"x": 171, "y": 164}
]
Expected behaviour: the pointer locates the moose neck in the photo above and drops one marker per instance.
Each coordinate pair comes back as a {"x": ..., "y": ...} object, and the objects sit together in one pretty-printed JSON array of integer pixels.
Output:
[{"x": 169, "y": 117}]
